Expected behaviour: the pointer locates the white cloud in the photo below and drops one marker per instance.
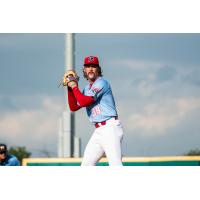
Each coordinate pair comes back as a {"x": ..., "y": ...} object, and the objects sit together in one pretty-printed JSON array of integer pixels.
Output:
[
  {"x": 137, "y": 64},
  {"x": 157, "y": 118},
  {"x": 32, "y": 127},
  {"x": 145, "y": 88}
]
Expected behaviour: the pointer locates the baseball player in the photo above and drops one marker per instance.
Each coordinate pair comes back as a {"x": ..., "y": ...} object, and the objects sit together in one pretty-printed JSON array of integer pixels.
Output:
[
  {"x": 100, "y": 106},
  {"x": 7, "y": 159}
]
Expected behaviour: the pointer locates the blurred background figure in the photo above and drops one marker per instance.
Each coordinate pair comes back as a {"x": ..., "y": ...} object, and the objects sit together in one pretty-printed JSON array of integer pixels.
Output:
[{"x": 7, "y": 159}]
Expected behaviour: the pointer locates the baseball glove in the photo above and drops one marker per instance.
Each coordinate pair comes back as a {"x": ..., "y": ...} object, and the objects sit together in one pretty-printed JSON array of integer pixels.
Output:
[{"x": 69, "y": 76}]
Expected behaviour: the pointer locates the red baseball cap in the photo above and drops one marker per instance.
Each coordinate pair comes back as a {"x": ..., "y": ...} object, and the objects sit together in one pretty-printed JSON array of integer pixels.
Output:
[{"x": 91, "y": 60}]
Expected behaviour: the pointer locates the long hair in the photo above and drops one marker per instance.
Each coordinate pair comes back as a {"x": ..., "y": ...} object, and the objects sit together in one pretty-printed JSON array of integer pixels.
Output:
[{"x": 99, "y": 71}]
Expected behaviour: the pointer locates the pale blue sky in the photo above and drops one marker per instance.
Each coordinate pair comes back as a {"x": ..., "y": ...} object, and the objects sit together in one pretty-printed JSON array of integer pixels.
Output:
[{"x": 155, "y": 79}]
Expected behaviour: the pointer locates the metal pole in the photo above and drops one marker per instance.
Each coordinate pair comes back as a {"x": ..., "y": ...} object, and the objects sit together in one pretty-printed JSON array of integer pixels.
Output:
[
  {"x": 60, "y": 137},
  {"x": 70, "y": 117},
  {"x": 70, "y": 51}
]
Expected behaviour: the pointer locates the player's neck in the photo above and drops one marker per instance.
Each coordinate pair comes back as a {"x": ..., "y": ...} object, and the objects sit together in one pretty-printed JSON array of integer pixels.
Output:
[{"x": 91, "y": 81}]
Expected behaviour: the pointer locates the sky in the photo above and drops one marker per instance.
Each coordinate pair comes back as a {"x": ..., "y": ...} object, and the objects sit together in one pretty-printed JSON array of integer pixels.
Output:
[{"x": 155, "y": 80}]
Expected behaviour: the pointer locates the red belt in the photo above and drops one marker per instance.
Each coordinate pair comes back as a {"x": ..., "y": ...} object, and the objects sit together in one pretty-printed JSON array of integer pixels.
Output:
[{"x": 97, "y": 125}]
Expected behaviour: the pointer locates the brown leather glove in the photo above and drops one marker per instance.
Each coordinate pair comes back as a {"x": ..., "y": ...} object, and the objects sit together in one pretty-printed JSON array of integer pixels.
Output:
[{"x": 70, "y": 78}]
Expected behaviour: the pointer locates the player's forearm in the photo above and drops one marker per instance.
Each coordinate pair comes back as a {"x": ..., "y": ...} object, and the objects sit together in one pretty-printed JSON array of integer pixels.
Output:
[
  {"x": 72, "y": 101},
  {"x": 82, "y": 99}
]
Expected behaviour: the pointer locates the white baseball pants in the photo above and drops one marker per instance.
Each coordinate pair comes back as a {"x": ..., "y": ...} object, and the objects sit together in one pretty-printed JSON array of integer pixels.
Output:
[{"x": 106, "y": 140}]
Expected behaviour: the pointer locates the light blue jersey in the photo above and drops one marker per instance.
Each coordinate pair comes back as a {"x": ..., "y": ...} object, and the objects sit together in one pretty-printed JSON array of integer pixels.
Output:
[{"x": 104, "y": 106}]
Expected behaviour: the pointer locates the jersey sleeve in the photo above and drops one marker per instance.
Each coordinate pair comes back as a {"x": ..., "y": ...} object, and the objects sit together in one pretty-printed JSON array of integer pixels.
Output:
[{"x": 98, "y": 89}]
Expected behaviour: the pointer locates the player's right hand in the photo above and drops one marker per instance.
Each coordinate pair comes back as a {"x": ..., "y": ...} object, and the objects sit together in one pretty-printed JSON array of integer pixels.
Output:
[{"x": 70, "y": 78}]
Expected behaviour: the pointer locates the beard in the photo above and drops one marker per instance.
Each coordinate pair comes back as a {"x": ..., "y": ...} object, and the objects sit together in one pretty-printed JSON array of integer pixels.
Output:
[{"x": 91, "y": 75}]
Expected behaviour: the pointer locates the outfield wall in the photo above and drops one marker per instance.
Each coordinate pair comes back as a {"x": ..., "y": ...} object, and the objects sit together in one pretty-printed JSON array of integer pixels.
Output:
[{"x": 127, "y": 161}]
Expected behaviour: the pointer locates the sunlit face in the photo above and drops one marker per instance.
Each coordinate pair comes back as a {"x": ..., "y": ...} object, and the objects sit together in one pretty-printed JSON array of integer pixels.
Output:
[
  {"x": 2, "y": 156},
  {"x": 91, "y": 71}
]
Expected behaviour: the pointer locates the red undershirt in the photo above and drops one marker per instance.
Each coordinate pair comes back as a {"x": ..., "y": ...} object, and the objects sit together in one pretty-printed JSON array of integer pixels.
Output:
[{"x": 75, "y": 96}]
